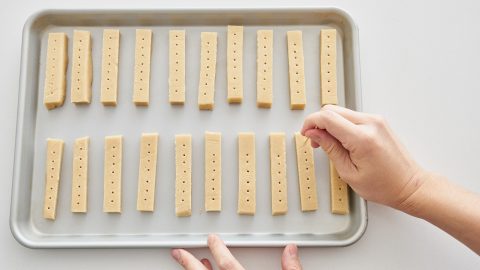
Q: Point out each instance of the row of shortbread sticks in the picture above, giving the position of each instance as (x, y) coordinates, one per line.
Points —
(183, 185)
(81, 76)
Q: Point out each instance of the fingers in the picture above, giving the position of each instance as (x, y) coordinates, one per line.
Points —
(332, 147)
(336, 125)
(187, 260)
(352, 116)
(206, 263)
(290, 260)
(221, 254)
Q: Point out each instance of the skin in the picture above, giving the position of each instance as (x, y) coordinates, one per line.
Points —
(372, 161)
(225, 260)
(370, 158)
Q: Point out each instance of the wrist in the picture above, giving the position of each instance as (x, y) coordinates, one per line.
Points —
(413, 197)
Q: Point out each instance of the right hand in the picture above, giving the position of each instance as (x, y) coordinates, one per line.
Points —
(366, 154)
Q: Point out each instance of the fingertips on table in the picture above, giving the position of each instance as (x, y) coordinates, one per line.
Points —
(290, 258)
(187, 260)
(223, 257)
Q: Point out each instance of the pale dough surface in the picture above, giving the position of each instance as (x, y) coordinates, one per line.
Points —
(213, 171)
(141, 84)
(112, 178)
(235, 63)
(338, 193)
(328, 66)
(81, 79)
(56, 69)
(52, 177)
(109, 81)
(246, 174)
(208, 65)
(176, 67)
(278, 174)
(183, 172)
(296, 70)
(147, 172)
(307, 180)
(80, 175)
(264, 68)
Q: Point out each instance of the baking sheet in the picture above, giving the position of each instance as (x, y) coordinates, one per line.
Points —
(162, 228)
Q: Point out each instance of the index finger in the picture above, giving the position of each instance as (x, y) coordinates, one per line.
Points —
(353, 116)
(339, 127)
(223, 257)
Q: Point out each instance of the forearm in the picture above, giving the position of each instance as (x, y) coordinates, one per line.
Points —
(447, 206)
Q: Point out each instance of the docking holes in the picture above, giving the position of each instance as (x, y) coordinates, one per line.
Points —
(142, 58)
(296, 66)
(110, 54)
(113, 159)
(80, 173)
(52, 174)
(214, 165)
(328, 59)
(81, 43)
(53, 56)
(183, 169)
(308, 181)
(208, 62)
(264, 60)
(278, 170)
(177, 63)
(235, 44)
(148, 165)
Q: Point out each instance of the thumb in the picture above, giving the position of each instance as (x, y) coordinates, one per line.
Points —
(332, 147)
(290, 260)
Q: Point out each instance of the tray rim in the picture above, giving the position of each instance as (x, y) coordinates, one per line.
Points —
(25, 241)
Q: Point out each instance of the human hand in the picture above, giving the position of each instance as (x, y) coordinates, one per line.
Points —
(225, 260)
(366, 153)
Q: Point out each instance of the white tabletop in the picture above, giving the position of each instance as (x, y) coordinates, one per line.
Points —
(420, 69)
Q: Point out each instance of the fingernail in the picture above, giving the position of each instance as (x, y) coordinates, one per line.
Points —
(292, 250)
(176, 254)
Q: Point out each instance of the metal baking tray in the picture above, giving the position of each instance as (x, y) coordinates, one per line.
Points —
(162, 228)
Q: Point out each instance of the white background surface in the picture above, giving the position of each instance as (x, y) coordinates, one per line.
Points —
(420, 69)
